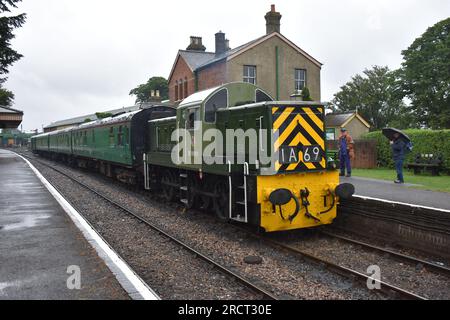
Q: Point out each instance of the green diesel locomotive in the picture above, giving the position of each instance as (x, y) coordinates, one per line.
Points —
(231, 149)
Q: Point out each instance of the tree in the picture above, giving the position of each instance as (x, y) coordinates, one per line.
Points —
(6, 97)
(425, 76)
(375, 95)
(8, 55)
(143, 91)
(103, 115)
(306, 96)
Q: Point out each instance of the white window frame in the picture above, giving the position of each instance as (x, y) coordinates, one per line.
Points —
(246, 74)
(299, 83)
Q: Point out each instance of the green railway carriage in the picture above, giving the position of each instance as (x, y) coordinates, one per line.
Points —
(224, 137)
(40, 143)
(59, 142)
(113, 145)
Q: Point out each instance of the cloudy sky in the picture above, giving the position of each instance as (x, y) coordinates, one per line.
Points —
(84, 56)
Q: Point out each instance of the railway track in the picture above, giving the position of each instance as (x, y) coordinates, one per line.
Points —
(397, 255)
(247, 283)
(386, 288)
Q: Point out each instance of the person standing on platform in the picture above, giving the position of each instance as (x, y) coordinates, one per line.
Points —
(346, 152)
(398, 153)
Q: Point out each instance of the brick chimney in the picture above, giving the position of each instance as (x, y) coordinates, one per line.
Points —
(196, 44)
(221, 43)
(272, 20)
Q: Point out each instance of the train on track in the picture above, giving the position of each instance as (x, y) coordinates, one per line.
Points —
(231, 149)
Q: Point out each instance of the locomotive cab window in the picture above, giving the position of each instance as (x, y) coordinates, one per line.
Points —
(216, 102)
(261, 96)
(193, 118)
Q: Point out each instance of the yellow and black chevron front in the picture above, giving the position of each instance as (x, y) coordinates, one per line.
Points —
(296, 127)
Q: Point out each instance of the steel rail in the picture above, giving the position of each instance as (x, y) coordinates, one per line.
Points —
(398, 255)
(347, 272)
(257, 289)
(386, 288)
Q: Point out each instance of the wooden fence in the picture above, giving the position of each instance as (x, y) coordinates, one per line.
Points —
(365, 153)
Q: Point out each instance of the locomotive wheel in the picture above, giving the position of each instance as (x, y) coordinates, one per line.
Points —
(221, 200)
(168, 191)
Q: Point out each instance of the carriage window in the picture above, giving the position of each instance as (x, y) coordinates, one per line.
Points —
(261, 96)
(120, 137)
(216, 102)
(111, 136)
(125, 135)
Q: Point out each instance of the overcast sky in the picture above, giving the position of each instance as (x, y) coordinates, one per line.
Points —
(84, 56)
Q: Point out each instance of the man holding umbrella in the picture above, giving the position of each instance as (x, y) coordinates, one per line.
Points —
(399, 144)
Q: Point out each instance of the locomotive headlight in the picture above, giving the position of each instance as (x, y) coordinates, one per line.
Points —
(331, 164)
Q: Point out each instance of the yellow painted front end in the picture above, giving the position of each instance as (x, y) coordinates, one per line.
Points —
(320, 184)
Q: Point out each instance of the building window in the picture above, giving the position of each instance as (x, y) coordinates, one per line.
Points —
(185, 87)
(250, 74)
(176, 90)
(300, 79)
(180, 87)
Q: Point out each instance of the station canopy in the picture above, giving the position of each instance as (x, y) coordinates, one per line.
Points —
(10, 118)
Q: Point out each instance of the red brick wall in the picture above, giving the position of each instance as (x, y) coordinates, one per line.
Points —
(181, 71)
(212, 76)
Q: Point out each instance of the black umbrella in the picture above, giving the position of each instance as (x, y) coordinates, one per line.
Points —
(389, 133)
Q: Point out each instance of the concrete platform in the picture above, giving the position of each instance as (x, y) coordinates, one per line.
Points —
(403, 193)
(39, 242)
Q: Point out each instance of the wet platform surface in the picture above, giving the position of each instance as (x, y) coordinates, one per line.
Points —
(39, 242)
(388, 190)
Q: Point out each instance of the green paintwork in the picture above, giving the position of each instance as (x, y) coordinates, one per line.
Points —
(108, 142)
(245, 118)
(277, 73)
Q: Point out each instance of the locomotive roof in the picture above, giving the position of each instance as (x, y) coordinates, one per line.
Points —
(198, 96)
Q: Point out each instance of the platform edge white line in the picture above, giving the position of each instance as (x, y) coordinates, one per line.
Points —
(401, 203)
(141, 287)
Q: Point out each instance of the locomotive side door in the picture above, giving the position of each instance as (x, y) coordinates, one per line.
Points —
(193, 127)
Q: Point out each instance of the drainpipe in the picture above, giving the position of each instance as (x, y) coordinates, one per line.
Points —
(277, 79)
(196, 80)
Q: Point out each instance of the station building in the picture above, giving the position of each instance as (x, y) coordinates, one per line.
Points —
(10, 118)
(271, 62)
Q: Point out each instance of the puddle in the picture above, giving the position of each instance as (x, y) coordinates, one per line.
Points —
(27, 221)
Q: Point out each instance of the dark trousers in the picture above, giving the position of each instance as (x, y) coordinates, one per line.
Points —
(399, 169)
(344, 159)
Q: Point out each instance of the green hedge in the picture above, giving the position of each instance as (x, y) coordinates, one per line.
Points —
(424, 141)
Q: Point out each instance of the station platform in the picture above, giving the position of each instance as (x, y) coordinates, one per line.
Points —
(41, 246)
(402, 193)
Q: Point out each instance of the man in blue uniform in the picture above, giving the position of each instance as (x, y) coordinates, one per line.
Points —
(346, 152)
(398, 153)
